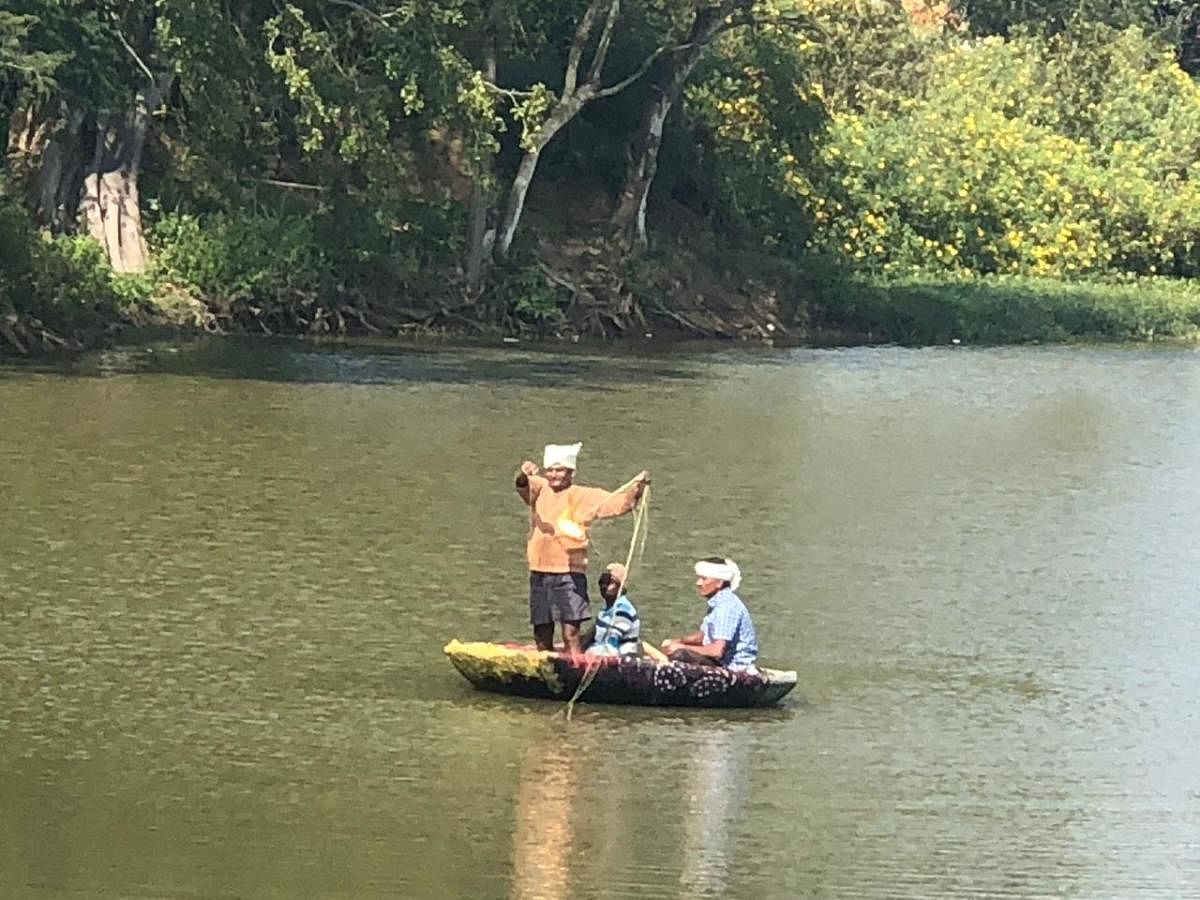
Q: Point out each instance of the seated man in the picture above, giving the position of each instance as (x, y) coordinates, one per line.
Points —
(726, 636)
(618, 630)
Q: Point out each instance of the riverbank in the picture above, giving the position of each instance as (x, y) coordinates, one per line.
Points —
(915, 312)
(1015, 310)
(571, 283)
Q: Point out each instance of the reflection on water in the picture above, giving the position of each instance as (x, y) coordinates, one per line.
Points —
(226, 574)
(719, 779)
(547, 802)
(591, 801)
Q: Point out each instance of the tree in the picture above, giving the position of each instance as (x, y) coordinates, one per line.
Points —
(543, 114)
(480, 239)
(706, 21)
(79, 144)
(380, 94)
(22, 67)
(1175, 21)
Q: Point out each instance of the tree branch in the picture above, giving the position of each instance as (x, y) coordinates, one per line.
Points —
(641, 70)
(571, 78)
(510, 93)
(136, 58)
(605, 42)
(370, 13)
(293, 185)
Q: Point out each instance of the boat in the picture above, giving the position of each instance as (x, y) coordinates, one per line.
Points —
(522, 670)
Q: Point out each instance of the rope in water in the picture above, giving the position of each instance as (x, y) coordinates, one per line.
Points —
(637, 546)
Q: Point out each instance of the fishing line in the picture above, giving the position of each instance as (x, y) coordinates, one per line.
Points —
(637, 548)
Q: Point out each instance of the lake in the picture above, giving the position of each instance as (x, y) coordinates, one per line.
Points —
(228, 568)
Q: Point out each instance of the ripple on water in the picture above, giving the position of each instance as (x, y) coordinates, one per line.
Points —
(226, 578)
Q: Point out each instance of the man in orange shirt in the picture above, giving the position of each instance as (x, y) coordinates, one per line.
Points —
(560, 512)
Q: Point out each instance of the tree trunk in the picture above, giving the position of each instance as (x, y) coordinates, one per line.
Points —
(629, 216)
(59, 176)
(47, 155)
(516, 200)
(629, 219)
(110, 208)
(479, 238)
(562, 113)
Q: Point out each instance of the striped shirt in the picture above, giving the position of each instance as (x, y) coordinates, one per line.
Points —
(728, 620)
(618, 630)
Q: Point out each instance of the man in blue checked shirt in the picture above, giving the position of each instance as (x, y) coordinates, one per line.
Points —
(726, 636)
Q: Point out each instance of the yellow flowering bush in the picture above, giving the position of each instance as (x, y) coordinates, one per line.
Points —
(1073, 156)
(761, 123)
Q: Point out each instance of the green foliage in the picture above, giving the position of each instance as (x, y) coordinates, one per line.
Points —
(227, 123)
(83, 46)
(531, 111)
(1073, 156)
(316, 155)
(240, 262)
(761, 121)
(868, 55)
(1014, 309)
(65, 284)
(19, 61)
(1053, 16)
(523, 292)
(357, 74)
(285, 266)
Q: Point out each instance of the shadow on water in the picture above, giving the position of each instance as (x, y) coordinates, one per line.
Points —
(617, 716)
(583, 367)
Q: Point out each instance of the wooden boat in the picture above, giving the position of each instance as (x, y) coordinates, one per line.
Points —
(524, 671)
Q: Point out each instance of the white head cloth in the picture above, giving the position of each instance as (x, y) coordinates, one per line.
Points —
(726, 571)
(561, 455)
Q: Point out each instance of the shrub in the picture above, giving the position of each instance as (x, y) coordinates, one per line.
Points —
(523, 292)
(1073, 156)
(235, 261)
(1013, 309)
(250, 270)
(63, 285)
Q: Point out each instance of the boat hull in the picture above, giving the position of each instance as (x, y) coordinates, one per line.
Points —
(523, 671)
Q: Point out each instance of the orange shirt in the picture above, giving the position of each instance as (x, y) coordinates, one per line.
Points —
(549, 550)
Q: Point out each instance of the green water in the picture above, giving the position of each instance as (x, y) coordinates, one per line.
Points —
(227, 571)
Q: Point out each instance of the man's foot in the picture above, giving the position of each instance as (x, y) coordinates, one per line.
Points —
(543, 636)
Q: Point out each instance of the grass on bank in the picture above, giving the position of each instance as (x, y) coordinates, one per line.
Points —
(1012, 310)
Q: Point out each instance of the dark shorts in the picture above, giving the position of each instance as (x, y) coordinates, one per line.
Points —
(558, 598)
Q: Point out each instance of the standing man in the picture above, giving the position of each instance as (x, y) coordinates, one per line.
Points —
(726, 636)
(560, 512)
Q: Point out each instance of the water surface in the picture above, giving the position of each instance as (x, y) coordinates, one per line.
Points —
(227, 571)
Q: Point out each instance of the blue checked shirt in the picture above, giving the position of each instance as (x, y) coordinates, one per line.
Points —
(728, 620)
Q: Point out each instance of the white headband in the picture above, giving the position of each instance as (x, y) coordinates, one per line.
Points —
(727, 571)
(561, 455)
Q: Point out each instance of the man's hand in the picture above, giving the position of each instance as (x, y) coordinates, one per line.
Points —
(668, 647)
(527, 470)
(640, 481)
